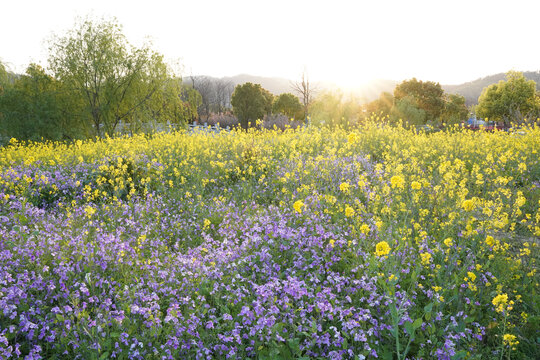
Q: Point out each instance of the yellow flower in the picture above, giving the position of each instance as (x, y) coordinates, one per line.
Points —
(206, 223)
(510, 340)
(467, 205)
(471, 275)
(344, 187)
(332, 242)
(364, 229)
(448, 242)
(501, 303)
(298, 206)
(415, 185)
(349, 211)
(351, 138)
(397, 181)
(490, 241)
(426, 258)
(382, 248)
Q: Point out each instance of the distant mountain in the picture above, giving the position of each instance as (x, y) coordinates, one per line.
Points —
(275, 85)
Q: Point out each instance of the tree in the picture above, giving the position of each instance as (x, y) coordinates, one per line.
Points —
(406, 109)
(513, 99)
(249, 103)
(455, 111)
(268, 101)
(4, 77)
(206, 87)
(306, 90)
(37, 106)
(331, 108)
(289, 105)
(381, 105)
(215, 94)
(224, 90)
(173, 103)
(427, 96)
(114, 78)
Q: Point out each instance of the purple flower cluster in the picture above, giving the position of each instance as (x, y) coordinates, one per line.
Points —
(146, 277)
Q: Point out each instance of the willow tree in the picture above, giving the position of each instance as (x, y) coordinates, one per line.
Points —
(114, 78)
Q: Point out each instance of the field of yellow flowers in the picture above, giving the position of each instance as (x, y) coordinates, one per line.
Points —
(377, 242)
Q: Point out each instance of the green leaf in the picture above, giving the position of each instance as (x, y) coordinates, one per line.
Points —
(409, 327)
(417, 323)
(104, 356)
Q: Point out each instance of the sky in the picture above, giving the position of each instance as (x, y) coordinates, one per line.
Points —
(345, 42)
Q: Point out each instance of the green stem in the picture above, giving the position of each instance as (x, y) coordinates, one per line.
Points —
(504, 330)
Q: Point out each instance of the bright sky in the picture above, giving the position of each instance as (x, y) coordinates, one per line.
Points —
(347, 42)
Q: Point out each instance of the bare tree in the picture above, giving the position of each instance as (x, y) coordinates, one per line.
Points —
(306, 90)
(224, 90)
(206, 87)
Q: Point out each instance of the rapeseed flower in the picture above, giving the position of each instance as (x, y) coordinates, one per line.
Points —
(510, 340)
(298, 205)
(397, 181)
(425, 258)
(382, 248)
(344, 186)
(501, 303)
(467, 205)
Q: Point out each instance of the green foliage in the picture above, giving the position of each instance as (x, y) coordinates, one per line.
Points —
(115, 79)
(333, 109)
(38, 107)
(3, 76)
(383, 105)
(427, 96)
(250, 103)
(268, 101)
(406, 109)
(289, 105)
(419, 103)
(455, 111)
(173, 102)
(509, 100)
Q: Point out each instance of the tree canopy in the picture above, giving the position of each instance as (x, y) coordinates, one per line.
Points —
(37, 106)
(250, 102)
(335, 109)
(114, 78)
(418, 103)
(455, 110)
(289, 105)
(427, 96)
(513, 99)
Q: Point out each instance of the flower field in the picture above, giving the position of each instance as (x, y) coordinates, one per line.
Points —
(314, 243)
